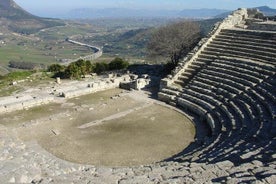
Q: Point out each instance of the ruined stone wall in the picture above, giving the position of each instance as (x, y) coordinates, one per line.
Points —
(14, 103)
(234, 19)
(70, 90)
(95, 86)
(264, 26)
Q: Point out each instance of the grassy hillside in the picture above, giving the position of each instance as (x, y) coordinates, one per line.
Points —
(132, 41)
(28, 38)
(10, 10)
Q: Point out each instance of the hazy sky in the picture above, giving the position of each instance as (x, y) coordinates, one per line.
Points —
(51, 5)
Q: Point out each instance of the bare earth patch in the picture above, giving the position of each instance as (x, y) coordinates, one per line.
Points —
(110, 128)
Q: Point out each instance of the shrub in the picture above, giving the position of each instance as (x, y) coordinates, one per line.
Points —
(72, 71)
(101, 67)
(56, 68)
(118, 64)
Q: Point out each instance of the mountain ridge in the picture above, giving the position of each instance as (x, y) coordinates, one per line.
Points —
(9, 9)
(85, 13)
(203, 13)
(267, 11)
(15, 19)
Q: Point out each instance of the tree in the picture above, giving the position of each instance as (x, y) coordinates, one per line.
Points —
(88, 67)
(72, 71)
(101, 67)
(172, 42)
(56, 68)
(118, 64)
(81, 65)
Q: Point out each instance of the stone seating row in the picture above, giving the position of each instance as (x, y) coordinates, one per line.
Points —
(250, 35)
(239, 112)
(230, 147)
(199, 110)
(232, 87)
(218, 95)
(269, 53)
(257, 96)
(270, 99)
(240, 50)
(233, 148)
(241, 75)
(238, 44)
(192, 103)
(220, 140)
(256, 67)
(229, 67)
(217, 52)
(219, 110)
(239, 148)
(242, 82)
(244, 41)
(226, 108)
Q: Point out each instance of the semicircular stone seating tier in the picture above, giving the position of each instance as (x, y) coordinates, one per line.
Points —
(231, 87)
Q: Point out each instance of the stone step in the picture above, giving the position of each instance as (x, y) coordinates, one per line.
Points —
(253, 46)
(241, 49)
(223, 39)
(216, 52)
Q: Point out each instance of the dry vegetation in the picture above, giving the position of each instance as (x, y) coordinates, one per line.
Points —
(174, 40)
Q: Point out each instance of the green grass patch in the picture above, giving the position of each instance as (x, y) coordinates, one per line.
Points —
(18, 75)
(8, 90)
(5, 87)
(33, 79)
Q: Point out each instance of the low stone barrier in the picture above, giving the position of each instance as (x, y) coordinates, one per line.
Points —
(95, 86)
(14, 103)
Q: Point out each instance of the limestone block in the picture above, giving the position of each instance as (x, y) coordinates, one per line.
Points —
(58, 80)
(2, 109)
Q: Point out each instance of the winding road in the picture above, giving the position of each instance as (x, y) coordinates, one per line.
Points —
(98, 52)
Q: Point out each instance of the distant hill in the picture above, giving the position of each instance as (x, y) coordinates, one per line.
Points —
(91, 13)
(267, 11)
(16, 19)
(133, 42)
(264, 9)
(201, 13)
(10, 10)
